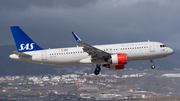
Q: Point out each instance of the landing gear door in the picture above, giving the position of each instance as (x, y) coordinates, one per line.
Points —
(152, 48)
(43, 55)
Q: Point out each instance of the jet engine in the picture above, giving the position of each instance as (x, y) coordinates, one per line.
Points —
(117, 61)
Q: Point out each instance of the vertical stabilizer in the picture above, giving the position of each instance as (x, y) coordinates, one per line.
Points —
(23, 42)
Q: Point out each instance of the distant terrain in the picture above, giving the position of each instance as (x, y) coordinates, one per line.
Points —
(172, 98)
(14, 67)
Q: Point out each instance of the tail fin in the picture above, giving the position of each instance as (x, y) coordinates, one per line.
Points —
(23, 42)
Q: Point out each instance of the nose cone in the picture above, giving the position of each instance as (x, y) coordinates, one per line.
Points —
(170, 51)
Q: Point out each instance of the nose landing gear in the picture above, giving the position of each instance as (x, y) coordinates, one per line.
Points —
(97, 70)
(152, 65)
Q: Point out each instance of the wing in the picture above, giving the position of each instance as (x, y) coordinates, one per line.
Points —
(95, 53)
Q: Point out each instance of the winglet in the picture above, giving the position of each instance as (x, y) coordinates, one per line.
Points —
(76, 37)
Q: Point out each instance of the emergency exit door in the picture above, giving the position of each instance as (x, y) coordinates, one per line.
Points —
(43, 55)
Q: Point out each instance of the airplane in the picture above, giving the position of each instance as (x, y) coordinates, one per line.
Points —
(112, 56)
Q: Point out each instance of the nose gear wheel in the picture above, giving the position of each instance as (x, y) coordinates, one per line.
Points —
(152, 65)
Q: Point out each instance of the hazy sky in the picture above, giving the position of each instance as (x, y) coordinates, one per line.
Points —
(50, 22)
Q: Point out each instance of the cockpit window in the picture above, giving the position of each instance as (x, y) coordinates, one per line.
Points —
(163, 46)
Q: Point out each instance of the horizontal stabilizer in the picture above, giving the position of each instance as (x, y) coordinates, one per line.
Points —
(21, 54)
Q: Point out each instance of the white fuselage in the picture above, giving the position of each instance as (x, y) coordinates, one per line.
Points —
(76, 55)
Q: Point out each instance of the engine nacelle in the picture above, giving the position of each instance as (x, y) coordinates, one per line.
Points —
(116, 67)
(119, 59)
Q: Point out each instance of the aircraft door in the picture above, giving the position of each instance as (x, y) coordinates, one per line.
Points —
(152, 48)
(43, 55)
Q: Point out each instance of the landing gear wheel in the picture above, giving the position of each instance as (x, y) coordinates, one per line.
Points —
(153, 66)
(97, 70)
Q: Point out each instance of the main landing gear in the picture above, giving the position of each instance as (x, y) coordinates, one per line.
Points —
(152, 65)
(97, 70)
